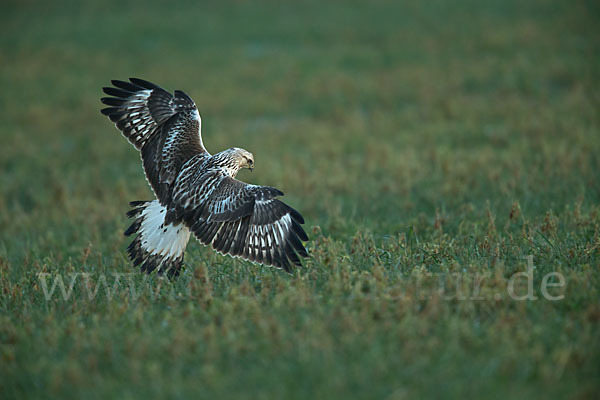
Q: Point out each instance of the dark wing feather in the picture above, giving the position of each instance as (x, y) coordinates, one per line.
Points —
(164, 127)
(241, 220)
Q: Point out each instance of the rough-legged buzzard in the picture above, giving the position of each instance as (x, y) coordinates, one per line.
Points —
(196, 192)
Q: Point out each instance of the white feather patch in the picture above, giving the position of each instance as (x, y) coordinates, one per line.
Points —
(168, 241)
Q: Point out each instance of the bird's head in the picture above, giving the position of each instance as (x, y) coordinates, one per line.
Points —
(244, 158)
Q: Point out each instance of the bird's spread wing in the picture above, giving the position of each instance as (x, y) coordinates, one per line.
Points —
(239, 219)
(163, 126)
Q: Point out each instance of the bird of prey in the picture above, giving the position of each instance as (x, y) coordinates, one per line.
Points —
(196, 192)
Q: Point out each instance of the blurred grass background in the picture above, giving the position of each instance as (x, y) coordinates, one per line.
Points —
(416, 137)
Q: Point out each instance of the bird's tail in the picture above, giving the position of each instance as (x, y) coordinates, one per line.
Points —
(156, 246)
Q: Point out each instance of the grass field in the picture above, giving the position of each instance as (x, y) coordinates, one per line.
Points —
(432, 146)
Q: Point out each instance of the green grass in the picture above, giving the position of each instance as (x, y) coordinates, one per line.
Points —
(426, 143)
